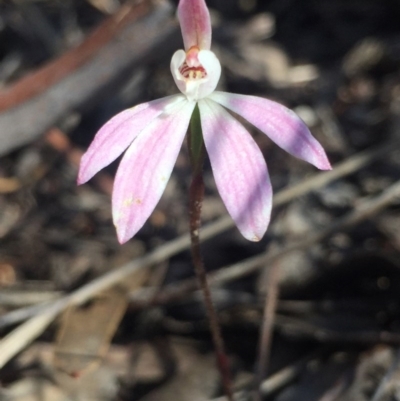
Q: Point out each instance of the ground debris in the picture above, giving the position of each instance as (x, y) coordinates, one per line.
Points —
(84, 318)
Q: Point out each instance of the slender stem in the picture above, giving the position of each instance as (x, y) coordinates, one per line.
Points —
(196, 195)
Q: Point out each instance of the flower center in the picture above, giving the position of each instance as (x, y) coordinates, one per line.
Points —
(191, 68)
(192, 72)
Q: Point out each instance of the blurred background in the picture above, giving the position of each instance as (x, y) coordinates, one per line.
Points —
(327, 269)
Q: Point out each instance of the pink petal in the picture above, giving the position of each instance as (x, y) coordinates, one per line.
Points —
(195, 22)
(239, 169)
(145, 169)
(118, 133)
(281, 124)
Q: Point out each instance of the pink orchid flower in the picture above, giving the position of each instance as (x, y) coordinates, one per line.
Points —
(152, 134)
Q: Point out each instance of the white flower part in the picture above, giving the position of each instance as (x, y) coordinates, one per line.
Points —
(196, 81)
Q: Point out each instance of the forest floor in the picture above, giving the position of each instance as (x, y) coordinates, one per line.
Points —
(83, 318)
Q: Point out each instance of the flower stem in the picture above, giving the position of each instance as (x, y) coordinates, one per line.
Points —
(196, 195)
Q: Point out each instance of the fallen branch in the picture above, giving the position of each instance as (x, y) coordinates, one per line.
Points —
(137, 35)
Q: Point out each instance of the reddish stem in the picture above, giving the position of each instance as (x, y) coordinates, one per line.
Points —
(196, 194)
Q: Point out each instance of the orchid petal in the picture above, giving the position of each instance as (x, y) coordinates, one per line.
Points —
(195, 89)
(118, 133)
(195, 22)
(212, 67)
(281, 124)
(145, 169)
(239, 170)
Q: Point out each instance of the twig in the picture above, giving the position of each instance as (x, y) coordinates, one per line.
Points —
(23, 335)
(387, 378)
(23, 298)
(281, 378)
(335, 392)
(300, 329)
(278, 380)
(267, 327)
(21, 314)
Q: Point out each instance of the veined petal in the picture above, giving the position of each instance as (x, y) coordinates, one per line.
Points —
(281, 124)
(239, 169)
(118, 133)
(195, 22)
(145, 169)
